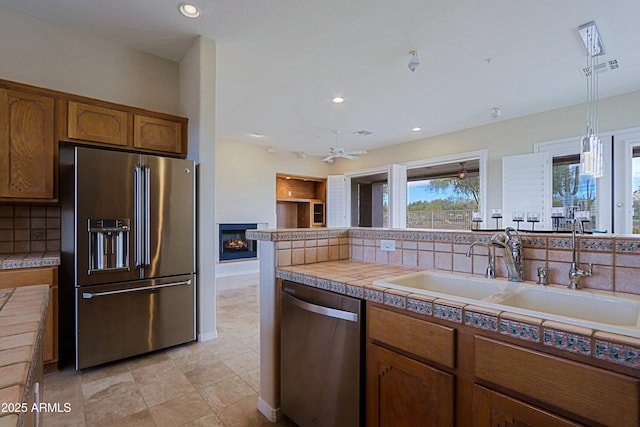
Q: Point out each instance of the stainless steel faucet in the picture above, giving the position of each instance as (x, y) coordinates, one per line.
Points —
(491, 266)
(575, 272)
(513, 259)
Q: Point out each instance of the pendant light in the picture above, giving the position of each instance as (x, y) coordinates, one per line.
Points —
(591, 151)
(463, 172)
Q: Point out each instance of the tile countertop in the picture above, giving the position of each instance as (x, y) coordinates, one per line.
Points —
(355, 278)
(22, 318)
(28, 260)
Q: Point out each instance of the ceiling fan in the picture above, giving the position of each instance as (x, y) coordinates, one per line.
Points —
(339, 152)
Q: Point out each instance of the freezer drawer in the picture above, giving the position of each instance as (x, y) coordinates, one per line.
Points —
(126, 319)
(321, 357)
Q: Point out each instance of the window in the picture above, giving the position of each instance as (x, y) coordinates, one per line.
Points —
(626, 191)
(573, 192)
(370, 200)
(443, 196)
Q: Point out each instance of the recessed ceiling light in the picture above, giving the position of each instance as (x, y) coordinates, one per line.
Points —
(189, 10)
(416, 129)
(338, 100)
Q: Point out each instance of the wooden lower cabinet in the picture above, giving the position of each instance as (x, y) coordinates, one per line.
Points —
(405, 392)
(19, 277)
(493, 409)
(421, 372)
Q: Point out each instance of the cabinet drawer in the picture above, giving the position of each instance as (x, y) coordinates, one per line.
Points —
(419, 337)
(97, 124)
(584, 390)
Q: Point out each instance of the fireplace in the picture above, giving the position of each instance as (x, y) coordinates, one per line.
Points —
(234, 244)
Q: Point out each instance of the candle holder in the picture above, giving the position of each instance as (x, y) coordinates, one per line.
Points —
(476, 219)
(557, 214)
(518, 217)
(496, 214)
(533, 217)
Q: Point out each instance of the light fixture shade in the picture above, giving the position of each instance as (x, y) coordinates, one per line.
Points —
(591, 156)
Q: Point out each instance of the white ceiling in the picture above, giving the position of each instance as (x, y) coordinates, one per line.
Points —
(281, 61)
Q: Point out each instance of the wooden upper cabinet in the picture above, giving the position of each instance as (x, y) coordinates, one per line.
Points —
(28, 154)
(151, 133)
(97, 124)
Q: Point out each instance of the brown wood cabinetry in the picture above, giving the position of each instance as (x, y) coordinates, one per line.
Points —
(28, 153)
(403, 390)
(15, 278)
(97, 124)
(300, 201)
(413, 364)
(151, 133)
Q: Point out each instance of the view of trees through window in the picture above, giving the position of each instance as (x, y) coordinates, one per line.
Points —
(441, 199)
(573, 191)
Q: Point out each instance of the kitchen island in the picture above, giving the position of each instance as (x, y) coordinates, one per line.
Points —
(300, 256)
(22, 318)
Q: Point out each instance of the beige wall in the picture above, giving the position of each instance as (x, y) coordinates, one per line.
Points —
(505, 138)
(39, 53)
(246, 180)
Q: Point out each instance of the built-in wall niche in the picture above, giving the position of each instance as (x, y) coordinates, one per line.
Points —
(300, 201)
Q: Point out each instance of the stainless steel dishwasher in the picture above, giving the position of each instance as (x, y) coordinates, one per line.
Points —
(321, 357)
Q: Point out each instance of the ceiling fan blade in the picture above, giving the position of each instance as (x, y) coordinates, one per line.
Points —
(349, 156)
(356, 152)
(328, 158)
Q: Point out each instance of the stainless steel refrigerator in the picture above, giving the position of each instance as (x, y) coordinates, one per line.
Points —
(128, 252)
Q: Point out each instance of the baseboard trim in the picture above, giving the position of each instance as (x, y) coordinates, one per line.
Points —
(273, 414)
(207, 336)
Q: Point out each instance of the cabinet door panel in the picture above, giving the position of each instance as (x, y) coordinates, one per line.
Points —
(151, 133)
(404, 392)
(492, 409)
(27, 150)
(97, 124)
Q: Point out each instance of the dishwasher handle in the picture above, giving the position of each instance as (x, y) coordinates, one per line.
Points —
(321, 310)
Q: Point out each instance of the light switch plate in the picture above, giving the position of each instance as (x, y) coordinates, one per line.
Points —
(388, 245)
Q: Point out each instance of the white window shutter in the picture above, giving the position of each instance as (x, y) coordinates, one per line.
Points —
(527, 187)
(337, 201)
(398, 196)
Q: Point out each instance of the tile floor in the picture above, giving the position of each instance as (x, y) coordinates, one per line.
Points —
(213, 383)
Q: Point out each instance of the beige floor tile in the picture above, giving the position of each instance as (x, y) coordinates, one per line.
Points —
(181, 410)
(243, 363)
(195, 360)
(227, 392)
(210, 420)
(226, 347)
(252, 378)
(111, 398)
(209, 374)
(147, 360)
(103, 371)
(243, 413)
(139, 419)
(168, 388)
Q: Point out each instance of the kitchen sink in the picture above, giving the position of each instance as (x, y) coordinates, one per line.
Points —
(583, 304)
(601, 310)
(450, 284)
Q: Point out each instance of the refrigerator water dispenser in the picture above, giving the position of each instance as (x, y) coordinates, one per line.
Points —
(108, 245)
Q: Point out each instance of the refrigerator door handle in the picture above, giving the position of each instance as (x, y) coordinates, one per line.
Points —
(89, 295)
(138, 212)
(147, 216)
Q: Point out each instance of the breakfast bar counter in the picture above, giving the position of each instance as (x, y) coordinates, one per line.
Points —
(22, 319)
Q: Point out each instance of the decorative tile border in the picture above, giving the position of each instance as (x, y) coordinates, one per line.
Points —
(337, 287)
(354, 291)
(596, 245)
(568, 341)
(374, 295)
(395, 300)
(480, 320)
(420, 306)
(628, 246)
(621, 354)
(448, 312)
(521, 330)
(560, 243)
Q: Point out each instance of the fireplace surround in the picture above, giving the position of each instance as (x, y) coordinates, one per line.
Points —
(234, 244)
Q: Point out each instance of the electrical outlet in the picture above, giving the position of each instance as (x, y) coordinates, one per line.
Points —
(388, 245)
